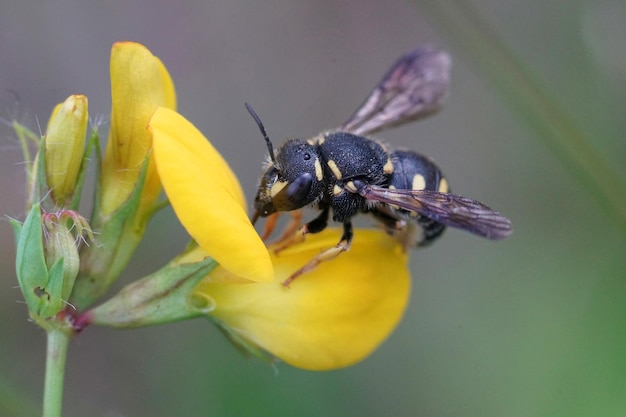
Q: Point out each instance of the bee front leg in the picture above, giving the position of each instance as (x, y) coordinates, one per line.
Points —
(294, 224)
(270, 224)
(327, 255)
(290, 238)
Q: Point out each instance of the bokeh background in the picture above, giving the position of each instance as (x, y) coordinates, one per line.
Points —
(532, 326)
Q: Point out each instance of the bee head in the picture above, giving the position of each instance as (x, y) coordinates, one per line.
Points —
(293, 178)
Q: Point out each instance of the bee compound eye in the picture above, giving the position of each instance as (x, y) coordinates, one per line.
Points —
(294, 195)
(300, 187)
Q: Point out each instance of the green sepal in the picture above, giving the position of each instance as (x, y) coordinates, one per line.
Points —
(51, 300)
(161, 297)
(40, 186)
(42, 288)
(95, 213)
(118, 237)
(92, 143)
(30, 260)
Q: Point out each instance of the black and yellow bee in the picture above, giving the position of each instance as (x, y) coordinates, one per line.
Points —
(347, 173)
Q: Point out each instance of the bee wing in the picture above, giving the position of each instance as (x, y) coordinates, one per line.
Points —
(449, 209)
(414, 87)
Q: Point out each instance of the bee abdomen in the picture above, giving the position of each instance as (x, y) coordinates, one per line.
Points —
(414, 171)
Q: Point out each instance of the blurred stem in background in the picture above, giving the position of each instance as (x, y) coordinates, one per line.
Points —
(469, 34)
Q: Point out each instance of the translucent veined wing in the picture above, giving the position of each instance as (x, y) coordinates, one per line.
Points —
(414, 87)
(449, 209)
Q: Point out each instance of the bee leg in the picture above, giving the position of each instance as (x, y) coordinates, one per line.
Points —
(391, 224)
(294, 224)
(270, 224)
(290, 238)
(399, 229)
(327, 255)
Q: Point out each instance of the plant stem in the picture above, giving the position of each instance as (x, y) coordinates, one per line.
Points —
(58, 341)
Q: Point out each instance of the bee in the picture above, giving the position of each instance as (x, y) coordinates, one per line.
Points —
(344, 172)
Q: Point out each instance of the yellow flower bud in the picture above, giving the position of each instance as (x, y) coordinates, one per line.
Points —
(65, 146)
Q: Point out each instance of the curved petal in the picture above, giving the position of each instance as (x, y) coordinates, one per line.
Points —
(139, 84)
(328, 318)
(206, 196)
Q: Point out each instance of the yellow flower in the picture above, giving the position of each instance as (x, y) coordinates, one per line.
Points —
(65, 145)
(129, 185)
(328, 318)
(139, 84)
(206, 196)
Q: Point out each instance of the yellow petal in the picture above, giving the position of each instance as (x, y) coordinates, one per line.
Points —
(206, 196)
(65, 145)
(329, 318)
(53, 115)
(139, 84)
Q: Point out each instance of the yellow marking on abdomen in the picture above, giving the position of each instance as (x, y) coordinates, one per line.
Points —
(443, 186)
(419, 182)
(388, 167)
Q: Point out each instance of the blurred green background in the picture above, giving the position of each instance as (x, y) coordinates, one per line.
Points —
(532, 326)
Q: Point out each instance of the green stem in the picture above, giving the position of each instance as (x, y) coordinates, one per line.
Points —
(58, 341)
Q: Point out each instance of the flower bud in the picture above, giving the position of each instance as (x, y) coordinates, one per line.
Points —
(139, 84)
(64, 232)
(47, 267)
(65, 146)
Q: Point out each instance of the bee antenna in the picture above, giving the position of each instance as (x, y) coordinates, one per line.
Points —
(256, 118)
